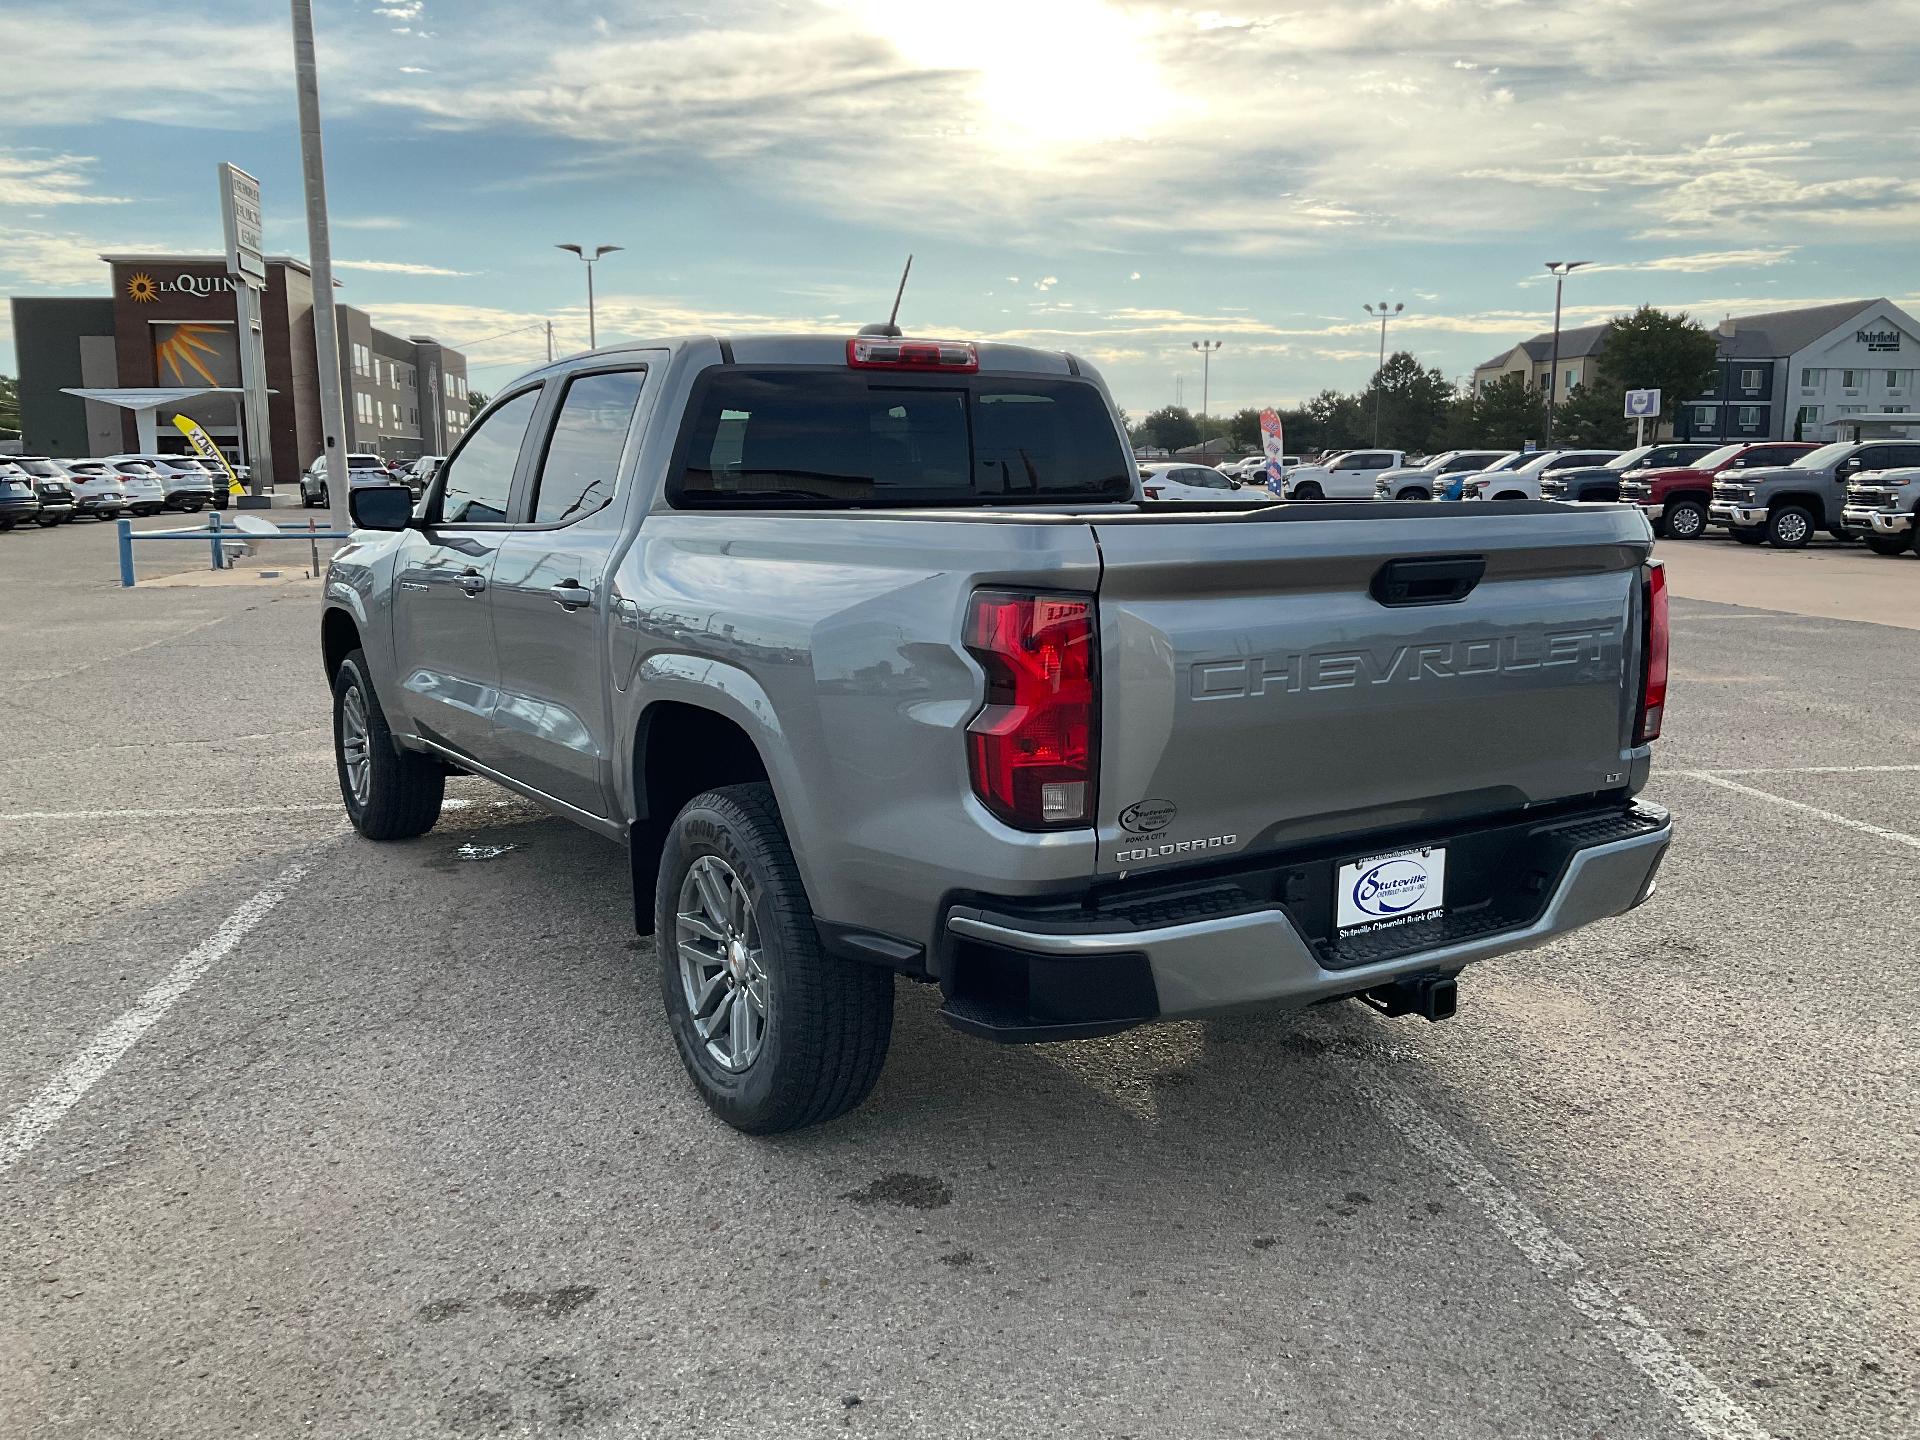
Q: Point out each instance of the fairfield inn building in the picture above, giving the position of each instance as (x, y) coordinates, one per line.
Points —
(1783, 375)
(105, 375)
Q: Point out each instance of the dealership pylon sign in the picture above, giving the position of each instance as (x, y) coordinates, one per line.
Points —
(247, 263)
(240, 214)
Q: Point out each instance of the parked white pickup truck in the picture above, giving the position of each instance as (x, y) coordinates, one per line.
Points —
(1345, 477)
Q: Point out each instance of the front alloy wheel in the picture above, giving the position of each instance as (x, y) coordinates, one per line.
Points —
(1686, 520)
(1790, 527)
(721, 970)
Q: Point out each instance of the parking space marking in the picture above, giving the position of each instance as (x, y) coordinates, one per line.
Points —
(1808, 770)
(1714, 778)
(28, 1125)
(1705, 1406)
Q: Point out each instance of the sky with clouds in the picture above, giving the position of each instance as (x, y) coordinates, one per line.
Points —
(1117, 179)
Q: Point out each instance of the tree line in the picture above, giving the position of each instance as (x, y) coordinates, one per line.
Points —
(1421, 412)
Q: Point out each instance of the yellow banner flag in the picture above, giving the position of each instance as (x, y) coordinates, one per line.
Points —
(204, 447)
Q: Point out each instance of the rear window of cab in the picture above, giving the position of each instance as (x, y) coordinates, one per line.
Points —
(807, 437)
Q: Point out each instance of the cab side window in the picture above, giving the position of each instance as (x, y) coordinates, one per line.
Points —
(477, 483)
(582, 462)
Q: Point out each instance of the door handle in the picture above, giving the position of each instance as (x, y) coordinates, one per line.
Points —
(571, 594)
(471, 581)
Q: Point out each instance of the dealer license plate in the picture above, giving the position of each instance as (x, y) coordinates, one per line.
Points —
(1382, 891)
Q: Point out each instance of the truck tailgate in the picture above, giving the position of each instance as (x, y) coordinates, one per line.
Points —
(1266, 684)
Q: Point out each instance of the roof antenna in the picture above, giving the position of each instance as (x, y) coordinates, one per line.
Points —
(891, 330)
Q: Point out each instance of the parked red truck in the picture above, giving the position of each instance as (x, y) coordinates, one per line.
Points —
(1676, 500)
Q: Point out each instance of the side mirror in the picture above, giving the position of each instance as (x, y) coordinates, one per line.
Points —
(381, 507)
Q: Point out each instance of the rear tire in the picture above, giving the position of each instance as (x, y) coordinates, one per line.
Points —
(813, 1029)
(390, 793)
(1890, 544)
(1684, 520)
(1790, 527)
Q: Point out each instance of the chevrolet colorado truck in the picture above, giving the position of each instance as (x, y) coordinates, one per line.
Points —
(1676, 498)
(1785, 506)
(874, 657)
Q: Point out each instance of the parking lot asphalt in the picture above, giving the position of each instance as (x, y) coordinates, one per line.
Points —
(310, 1135)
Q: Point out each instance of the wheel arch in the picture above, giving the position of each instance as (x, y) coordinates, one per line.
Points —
(703, 724)
(339, 637)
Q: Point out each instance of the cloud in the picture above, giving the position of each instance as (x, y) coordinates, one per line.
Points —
(40, 177)
(399, 267)
(64, 261)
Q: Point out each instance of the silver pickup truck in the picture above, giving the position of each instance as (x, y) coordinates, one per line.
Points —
(874, 657)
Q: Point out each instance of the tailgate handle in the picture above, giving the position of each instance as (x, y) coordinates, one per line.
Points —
(1427, 582)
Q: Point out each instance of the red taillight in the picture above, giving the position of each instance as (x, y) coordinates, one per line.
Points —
(1152, 492)
(872, 352)
(1653, 682)
(1031, 748)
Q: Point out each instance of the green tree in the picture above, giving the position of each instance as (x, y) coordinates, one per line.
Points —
(476, 402)
(1244, 428)
(1593, 414)
(1508, 412)
(1660, 350)
(9, 405)
(1171, 428)
(1335, 422)
(1413, 403)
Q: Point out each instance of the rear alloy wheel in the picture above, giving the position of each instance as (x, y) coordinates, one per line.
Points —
(1789, 527)
(1890, 544)
(1685, 520)
(775, 1032)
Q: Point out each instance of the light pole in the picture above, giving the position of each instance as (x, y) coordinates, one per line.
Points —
(593, 332)
(326, 340)
(1559, 269)
(1206, 349)
(1379, 389)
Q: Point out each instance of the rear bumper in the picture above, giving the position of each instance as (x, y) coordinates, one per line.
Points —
(1047, 979)
(1879, 522)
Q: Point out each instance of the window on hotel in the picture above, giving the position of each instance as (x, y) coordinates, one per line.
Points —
(1809, 415)
(1749, 379)
(1849, 379)
(1809, 379)
(1749, 417)
(1893, 379)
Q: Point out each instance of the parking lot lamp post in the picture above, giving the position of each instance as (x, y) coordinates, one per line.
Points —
(1559, 269)
(1378, 389)
(593, 332)
(1206, 349)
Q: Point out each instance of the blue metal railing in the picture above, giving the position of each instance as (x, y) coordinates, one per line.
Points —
(215, 537)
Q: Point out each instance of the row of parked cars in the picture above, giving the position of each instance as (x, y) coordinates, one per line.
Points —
(40, 490)
(366, 468)
(1778, 492)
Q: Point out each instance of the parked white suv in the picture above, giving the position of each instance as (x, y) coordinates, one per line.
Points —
(1169, 481)
(1522, 482)
(1345, 477)
(1418, 482)
(362, 469)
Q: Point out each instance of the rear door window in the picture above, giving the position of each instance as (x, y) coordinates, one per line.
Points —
(582, 462)
(801, 436)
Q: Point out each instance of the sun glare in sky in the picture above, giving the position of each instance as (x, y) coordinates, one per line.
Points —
(1054, 74)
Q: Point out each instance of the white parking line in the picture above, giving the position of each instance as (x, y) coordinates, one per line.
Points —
(1808, 770)
(1710, 777)
(30, 1123)
(1705, 1406)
